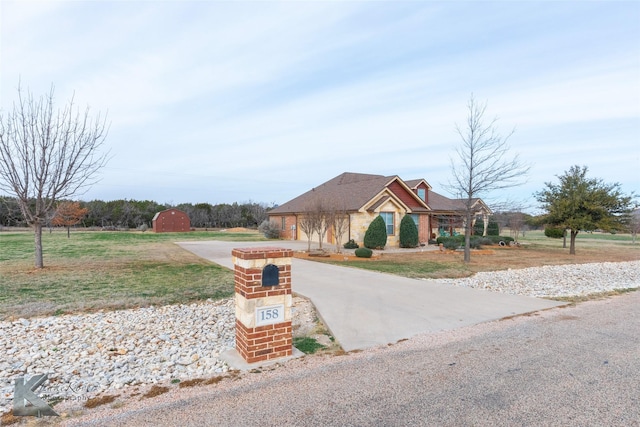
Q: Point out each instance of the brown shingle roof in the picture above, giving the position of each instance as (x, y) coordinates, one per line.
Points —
(438, 202)
(348, 191)
(351, 191)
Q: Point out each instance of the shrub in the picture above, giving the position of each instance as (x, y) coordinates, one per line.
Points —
(486, 241)
(364, 252)
(493, 229)
(270, 230)
(458, 239)
(474, 242)
(351, 244)
(408, 233)
(554, 232)
(497, 239)
(478, 227)
(376, 235)
(450, 243)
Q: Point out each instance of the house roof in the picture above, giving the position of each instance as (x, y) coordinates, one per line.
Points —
(440, 203)
(167, 210)
(354, 191)
(348, 191)
(414, 183)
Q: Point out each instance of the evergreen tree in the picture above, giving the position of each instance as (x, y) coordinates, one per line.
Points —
(408, 233)
(581, 203)
(376, 235)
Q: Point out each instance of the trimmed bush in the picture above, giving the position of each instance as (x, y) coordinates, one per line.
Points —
(478, 227)
(475, 242)
(364, 253)
(554, 232)
(497, 239)
(451, 243)
(351, 244)
(459, 239)
(270, 230)
(408, 233)
(493, 228)
(486, 241)
(376, 235)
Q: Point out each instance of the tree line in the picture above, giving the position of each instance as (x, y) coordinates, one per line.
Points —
(131, 214)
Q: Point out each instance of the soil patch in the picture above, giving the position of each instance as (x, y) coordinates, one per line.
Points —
(314, 255)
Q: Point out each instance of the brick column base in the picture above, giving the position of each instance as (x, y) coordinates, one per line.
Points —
(263, 310)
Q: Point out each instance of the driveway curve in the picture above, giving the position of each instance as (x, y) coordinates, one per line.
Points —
(364, 309)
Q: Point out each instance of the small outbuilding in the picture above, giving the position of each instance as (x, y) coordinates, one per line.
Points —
(171, 220)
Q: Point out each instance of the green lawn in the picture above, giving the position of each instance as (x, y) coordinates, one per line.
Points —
(107, 270)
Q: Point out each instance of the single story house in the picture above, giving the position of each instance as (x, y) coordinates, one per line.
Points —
(362, 197)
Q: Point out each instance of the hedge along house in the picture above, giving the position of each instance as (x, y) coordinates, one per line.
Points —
(361, 198)
(171, 220)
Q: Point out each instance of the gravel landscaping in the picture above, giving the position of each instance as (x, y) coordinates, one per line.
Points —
(106, 351)
(556, 280)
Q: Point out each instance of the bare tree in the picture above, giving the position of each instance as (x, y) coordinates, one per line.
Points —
(48, 154)
(482, 164)
(320, 219)
(307, 226)
(338, 220)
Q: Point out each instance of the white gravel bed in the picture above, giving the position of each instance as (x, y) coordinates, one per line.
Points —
(86, 354)
(556, 280)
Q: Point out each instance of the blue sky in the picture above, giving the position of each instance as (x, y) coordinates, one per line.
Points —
(260, 101)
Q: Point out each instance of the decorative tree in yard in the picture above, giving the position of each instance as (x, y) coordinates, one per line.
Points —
(307, 226)
(376, 235)
(338, 219)
(482, 164)
(582, 203)
(47, 154)
(408, 233)
(68, 214)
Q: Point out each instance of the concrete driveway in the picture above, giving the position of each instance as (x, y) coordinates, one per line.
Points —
(364, 309)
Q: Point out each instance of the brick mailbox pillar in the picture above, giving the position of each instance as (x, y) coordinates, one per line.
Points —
(263, 303)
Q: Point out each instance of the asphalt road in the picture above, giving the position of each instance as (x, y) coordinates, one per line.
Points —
(572, 366)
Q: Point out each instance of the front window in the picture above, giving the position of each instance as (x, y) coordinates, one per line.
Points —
(283, 223)
(388, 218)
(422, 193)
(416, 219)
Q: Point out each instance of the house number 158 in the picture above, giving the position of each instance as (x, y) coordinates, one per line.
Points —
(269, 315)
